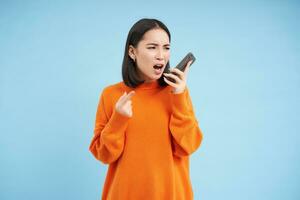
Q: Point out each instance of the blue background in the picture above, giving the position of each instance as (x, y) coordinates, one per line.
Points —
(57, 56)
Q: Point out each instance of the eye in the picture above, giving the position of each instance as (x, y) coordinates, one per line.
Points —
(151, 47)
(167, 48)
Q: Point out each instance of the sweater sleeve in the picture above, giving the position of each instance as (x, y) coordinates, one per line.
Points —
(109, 133)
(186, 134)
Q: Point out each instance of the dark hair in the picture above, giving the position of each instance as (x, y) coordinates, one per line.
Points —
(136, 33)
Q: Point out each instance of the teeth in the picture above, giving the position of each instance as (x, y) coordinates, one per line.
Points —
(158, 66)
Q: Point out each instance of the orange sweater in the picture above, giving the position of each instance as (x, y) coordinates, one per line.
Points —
(148, 154)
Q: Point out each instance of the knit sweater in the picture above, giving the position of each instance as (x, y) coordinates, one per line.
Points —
(148, 153)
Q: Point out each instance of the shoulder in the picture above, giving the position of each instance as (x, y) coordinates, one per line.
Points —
(114, 89)
(111, 93)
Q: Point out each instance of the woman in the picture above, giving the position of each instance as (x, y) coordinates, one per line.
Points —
(145, 125)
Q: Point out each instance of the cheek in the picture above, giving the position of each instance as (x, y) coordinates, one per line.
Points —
(167, 55)
(147, 58)
(145, 61)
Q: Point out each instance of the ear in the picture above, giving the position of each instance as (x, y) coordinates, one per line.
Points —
(131, 52)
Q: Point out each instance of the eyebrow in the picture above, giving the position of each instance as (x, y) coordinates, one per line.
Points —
(155, 44)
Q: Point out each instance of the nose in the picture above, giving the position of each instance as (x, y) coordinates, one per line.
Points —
(159, 55)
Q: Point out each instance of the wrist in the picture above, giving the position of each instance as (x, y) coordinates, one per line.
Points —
(178, 91)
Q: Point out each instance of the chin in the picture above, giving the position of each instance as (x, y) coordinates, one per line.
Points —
(153, 77)
(157, 77)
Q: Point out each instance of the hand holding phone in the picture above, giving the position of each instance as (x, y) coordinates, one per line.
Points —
(182, 65)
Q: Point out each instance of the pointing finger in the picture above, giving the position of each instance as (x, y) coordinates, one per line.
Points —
(186, 69)
(189, 63)
(129, 95)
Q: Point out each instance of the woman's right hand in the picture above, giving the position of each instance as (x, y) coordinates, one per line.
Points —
(123, 105)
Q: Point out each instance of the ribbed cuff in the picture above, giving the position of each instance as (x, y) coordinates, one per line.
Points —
(117, 122)
(179, 101)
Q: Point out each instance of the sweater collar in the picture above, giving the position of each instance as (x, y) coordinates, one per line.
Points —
(149, 85)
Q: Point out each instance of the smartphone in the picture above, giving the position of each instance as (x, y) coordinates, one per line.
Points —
(182, 65)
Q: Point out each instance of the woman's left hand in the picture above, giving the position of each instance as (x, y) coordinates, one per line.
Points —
(180, 78)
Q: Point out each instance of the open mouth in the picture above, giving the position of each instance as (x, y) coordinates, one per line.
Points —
(158, 67)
